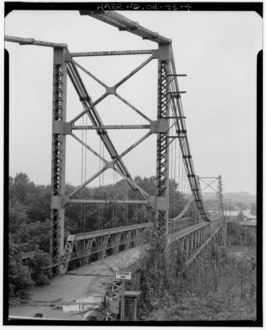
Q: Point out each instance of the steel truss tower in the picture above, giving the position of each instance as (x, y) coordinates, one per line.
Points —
(213, 186)
(168, 106)
(60, 128)
(168, 97)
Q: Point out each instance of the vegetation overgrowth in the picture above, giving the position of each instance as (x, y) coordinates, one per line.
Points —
(219, 285)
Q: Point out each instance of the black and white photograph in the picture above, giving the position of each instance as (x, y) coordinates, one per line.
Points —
(133, 163)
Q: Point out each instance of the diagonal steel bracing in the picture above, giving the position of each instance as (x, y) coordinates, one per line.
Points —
(95, 118)
(114, 88)
(110, 90)
(214, 187)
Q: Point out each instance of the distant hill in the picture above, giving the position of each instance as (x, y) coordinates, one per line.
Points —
(243, 197)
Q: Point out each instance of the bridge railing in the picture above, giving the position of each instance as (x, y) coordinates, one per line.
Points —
(96, 245)
(101, 243)
(216, 223)
(178, 225)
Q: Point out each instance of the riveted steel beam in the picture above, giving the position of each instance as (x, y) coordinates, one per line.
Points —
(78, 127)
(102, 201)
(58, 158)
(32, 41)
(116, 53)
(163, 111)
(125, 24)
(220, 198)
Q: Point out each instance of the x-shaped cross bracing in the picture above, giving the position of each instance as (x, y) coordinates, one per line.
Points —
(116, 158)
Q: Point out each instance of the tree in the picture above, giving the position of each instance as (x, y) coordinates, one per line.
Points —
(253, 209)
(21, 189)
(19, 278)
(39, 232)
(17, 216)
(39, 208)
(37, 264)
(240, 216)
(242, 206)
(229, 207)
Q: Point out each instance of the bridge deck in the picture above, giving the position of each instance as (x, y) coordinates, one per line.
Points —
(79, 284)
(68, 288)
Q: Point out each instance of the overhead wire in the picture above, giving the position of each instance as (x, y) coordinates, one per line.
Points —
(85, 172)
(115, 212)
(113, 206)
(127, 188)
(99, 205)
(171, 175)
(82, 177)
(102, 190)
(179, 169)
(182, 177)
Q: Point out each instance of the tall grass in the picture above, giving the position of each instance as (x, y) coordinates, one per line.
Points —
(218, 285)
(239, 235)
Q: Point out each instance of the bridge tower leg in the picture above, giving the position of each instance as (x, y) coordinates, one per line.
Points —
(221, 210)
(220, 197)
(224, 235)
(162, 172)
(58, 159)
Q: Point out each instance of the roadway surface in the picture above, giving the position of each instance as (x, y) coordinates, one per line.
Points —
(63, 297)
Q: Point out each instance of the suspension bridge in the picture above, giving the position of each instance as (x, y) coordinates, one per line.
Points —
(188, 227)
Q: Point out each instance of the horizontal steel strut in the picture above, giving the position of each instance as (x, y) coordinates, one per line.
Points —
(32, 41)
(125, 24)
(115, 53)
(112, 127)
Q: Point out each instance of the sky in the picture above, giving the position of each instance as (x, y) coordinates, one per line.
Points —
(217, 51)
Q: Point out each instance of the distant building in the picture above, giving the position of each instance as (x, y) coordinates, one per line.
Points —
(252, 218)
(231, 215)
(248, 216)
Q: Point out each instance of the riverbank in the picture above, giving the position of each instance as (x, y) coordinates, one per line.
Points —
(222, 289)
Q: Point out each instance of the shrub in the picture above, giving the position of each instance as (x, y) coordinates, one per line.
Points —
(215, 286)
(19, 277)
(238, 235)
(39, 261)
